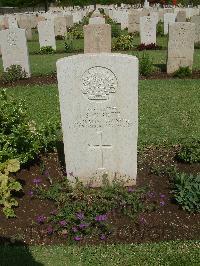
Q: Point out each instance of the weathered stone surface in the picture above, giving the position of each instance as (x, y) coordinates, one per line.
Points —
(97, 38)
(12, 22)
(196, 21)
(60, 26)
(24, 22)
(14, 48)
(169, 18)
(69, 20)
(134, 19)
(46, 34)
(97, 20)
(147, 30)
(181, 16)
(99, 112)
(180, 46)
(96, 13)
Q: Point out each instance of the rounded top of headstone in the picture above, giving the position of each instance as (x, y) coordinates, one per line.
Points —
(96, 13)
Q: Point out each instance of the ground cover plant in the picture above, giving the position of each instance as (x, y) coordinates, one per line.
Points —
(50, 211)
(20, 137)
(46, 182)
(12, 74)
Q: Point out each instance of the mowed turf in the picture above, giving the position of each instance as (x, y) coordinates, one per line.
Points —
(46, 64)
(160, 254)
(169, 110)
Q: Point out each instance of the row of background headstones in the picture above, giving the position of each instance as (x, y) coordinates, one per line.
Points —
(98, 37)
(108, 144)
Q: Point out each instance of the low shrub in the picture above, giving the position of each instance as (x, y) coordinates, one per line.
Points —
(116, 30)
(160, 29)
(151, 46)
(123, 42)
(186, 191)
(8, 184)
(69, 48)
(82, 210)
(190, 152)
(76, 31)
(145, 65)
(21, 138)
(47, 50)
(60, 37)
(183, 72)
(13, 73)
(197, 45)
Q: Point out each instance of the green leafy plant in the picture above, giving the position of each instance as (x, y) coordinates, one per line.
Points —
(160, 29)
(123, 42)
(60, 37)
(21, 138)
(197, 45)
(190, 152)
(69, 48)
(13, 73)
(187, 191)
(82, 210)
(183, 72)
(116, 30)
(8, 184)
(47, 50)
(145, 65)
(76, 31)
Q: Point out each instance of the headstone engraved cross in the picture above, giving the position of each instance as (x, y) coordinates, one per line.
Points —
(99, 113)
(101, 148)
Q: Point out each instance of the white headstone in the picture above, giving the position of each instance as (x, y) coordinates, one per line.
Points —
(180, 46)
(46, 34)
(60, 26)
(147, 30)
(12, 22)
(99, 112)
(14, 49)
(196, 21)
(169, 18)
(97, 20)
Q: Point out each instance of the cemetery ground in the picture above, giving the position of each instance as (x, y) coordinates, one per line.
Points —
(169, 118)
(168, 114)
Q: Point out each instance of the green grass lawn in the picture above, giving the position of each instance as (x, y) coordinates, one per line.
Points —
(160, 254)
(169, 110)
(46, 64)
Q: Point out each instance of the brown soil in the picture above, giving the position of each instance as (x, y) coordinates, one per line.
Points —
(52, 79)
(34, 80)
(168, 222)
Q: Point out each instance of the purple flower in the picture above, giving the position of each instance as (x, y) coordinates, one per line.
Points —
(143, 220)
(162, 196)
(30, 193)
(49, 230)
(77, 238)
(82, 226)
(162, 203)
(103, 237)
(64, 173)
(41, 219)
(80, 216)
(63, 223)
(74, 229)
(151, 194)
(37, 181)
(130, 189)
(54, 212)
(101, 217)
